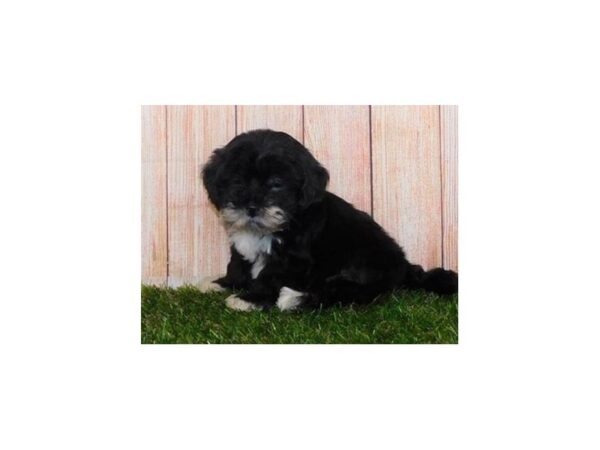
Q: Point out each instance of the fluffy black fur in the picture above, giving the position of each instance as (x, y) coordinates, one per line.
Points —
(267, 185)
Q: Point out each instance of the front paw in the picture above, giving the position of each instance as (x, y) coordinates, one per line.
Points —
(289, 299)
(234, 302)
(207, 284)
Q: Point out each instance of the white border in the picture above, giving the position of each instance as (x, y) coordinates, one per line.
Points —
(74, 374)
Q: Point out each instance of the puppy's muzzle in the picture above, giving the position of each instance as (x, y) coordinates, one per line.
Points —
(269, 219)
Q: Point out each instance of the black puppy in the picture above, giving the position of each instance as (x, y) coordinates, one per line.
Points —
(293, 244)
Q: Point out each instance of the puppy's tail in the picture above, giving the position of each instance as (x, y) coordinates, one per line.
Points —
(440, 281)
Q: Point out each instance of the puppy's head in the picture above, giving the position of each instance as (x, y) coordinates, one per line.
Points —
(261, 179)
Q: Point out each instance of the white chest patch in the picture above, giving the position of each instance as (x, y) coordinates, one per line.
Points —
(253, 246)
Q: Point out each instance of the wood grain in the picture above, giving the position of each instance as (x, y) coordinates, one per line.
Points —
(154, 195)
(407, 179)
(275, 117)
(339, 138)
(414, 153)
(197, 242)
(449, 150)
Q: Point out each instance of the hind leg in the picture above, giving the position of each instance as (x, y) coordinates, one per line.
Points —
(331, 292)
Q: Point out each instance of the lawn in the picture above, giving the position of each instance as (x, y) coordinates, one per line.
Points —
(187, 316)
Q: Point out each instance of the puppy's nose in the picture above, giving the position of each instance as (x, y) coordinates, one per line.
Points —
(252, 209)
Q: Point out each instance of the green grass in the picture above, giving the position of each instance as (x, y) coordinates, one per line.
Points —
(187, 316)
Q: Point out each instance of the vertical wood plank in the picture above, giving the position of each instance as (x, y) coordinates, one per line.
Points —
(407, 179)
(276, 117)
(197, 242)
(449, 149)
(339, 138)
(154, 191)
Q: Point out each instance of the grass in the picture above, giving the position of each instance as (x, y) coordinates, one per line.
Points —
(187, 316)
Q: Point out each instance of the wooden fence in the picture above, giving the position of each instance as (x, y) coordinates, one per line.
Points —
(399, 163)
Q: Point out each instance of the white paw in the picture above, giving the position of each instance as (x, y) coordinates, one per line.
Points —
(234, 302)
(289, 299)
(207, 284)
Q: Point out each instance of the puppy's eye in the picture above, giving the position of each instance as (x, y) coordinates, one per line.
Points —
(275, 183)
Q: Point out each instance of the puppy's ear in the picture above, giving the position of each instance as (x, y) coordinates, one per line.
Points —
(315, 182)
(210, 175)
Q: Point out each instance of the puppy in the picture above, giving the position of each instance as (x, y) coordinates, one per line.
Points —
(293, 243)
